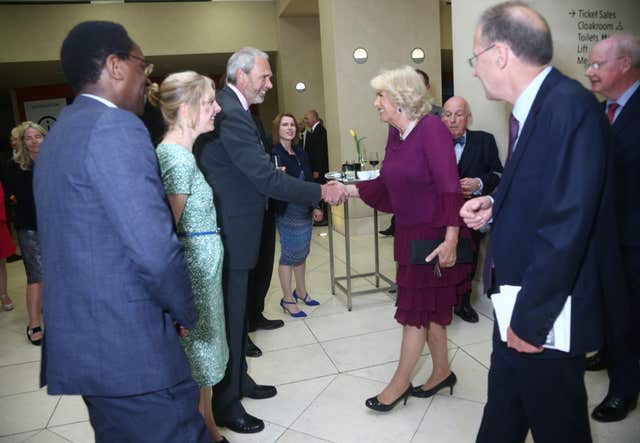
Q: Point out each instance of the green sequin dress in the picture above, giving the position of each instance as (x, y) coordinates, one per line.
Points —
(206, 344)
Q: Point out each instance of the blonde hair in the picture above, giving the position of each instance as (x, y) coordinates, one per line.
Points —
(275, 128)
(405, 90)
(22, 156)
(181, 87)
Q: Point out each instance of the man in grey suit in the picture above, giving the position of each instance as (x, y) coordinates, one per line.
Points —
(243, 177)
(116, 286)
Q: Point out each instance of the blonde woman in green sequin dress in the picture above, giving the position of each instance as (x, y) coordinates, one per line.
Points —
(188, 106)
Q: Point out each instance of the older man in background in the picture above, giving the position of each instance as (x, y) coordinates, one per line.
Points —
(614, 72)
(479, 168)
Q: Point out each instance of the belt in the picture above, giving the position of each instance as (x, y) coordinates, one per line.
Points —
(198, 234)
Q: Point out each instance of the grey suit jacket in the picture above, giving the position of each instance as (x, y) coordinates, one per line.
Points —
(242, 176)
(114, 274)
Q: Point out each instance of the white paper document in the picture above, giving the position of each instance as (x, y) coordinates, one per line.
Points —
(559, 337)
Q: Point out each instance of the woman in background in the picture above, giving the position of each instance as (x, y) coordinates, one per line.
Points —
(419, 183)
(294, 221)
(188, 106)
(20, 181)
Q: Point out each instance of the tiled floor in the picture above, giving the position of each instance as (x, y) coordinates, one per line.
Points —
(324, 366)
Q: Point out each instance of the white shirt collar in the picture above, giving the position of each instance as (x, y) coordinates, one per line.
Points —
(313, 128)
(525, 101)
(412, 124)
(241, 97)
(102, 100)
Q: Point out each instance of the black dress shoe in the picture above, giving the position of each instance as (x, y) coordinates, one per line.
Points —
(376, 405)
(264, 323)
(252, 350)
(597, 362)
(13, 257)
(465, 311)
(390, 231)
(261, 392)
(614, 408)
(446, 383)
(245, 424)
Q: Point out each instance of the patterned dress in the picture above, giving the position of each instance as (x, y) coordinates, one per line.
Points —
(206, 344)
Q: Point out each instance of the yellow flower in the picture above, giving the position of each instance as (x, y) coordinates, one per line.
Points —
(352, 132)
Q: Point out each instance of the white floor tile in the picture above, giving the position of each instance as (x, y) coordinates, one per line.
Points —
(15, 349)
(19, 438)
(46, 436)
(338, 304)
(346, 324)
(625, 431)
(77, 432)
(339, 414)
(472, 378)
(480, 351)
(597, 384)
(25, 412)
(365, 350)
(299, 437)
(70, 409)
(451, 419)
(24, 378)
(292, 401)
(291, 365)
(296, 333)
(462, 333)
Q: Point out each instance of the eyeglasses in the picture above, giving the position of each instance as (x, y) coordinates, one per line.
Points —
(474, 59)
(596, 66)
(146, 66)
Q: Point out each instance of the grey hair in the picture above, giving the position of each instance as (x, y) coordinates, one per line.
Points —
(628, 46)
(243, 59)
(522, 28)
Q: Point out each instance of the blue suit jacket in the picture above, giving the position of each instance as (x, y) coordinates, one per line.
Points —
(114, 274)
(555, 197)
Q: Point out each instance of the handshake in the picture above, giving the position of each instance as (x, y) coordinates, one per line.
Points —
(334, 193)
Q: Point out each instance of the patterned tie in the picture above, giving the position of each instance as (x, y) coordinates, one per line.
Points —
(459, 141)
(487, 272)
(611, 111)
(514, 127)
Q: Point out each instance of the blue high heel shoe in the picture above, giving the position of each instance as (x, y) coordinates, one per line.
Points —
(306, 300)
(297, 314)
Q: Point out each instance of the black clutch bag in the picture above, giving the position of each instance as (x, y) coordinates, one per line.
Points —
(420, 249)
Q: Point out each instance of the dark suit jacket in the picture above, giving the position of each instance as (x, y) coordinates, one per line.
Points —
(316, 147)
(242, 176)
(626, 130)
(555, 198)
(480, 159)
(114, 274)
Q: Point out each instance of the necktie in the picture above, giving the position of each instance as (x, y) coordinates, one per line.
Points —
(514, 126)
(611, 111)
(459, 141)
(487, 274)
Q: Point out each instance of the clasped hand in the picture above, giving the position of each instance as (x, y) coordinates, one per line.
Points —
(334, 193)
(477, 212)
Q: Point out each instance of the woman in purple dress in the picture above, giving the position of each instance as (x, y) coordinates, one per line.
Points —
(419, 184)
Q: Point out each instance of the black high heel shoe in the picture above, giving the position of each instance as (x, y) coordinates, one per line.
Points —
(376, 405)
(446, 383)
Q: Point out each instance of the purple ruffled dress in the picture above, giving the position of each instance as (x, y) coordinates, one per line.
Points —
(419, 184)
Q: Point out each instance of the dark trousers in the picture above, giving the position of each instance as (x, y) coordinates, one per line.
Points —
(168, 415)
(622, 349)
(546, 395)
(260, 276)
(228, 392)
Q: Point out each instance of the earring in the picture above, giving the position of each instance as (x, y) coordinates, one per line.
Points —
(399, 109)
